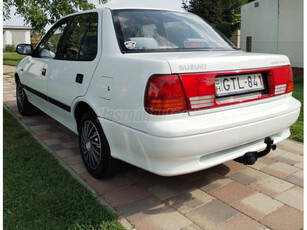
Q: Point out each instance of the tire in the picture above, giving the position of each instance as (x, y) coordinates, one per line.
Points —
(94, 147)
(25, 108)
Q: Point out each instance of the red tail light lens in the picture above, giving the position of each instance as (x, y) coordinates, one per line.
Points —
(199, 90)
(280, 80)
(164, 95)
(290, 80)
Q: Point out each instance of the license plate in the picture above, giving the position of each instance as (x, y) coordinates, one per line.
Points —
(240, 84)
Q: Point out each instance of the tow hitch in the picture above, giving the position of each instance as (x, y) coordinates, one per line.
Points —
(250, 158)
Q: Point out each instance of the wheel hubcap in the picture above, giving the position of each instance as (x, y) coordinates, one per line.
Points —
(20, 94)
(90, 144)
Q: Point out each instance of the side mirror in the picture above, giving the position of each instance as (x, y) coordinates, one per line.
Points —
(24, 49)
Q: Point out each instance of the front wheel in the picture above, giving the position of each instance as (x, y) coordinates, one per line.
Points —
(94, 147)
(25, 108)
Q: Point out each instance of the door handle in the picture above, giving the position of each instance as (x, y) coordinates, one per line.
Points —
(79, 78)
(44, 71)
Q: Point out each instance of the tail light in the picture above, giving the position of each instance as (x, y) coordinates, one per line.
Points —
(282, 80)
(164, 95)
(169, 94)
(290, 80)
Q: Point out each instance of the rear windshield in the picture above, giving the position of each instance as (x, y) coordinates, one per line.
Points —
(157, 31)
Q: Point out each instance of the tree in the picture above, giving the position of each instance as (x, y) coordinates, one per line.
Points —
(39, 13)
(222, 14)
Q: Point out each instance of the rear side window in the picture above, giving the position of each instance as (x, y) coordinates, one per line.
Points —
(158, 30)
(80, 39)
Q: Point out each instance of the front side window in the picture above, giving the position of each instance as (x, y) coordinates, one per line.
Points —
(157, 30)
(49, 45)
(80, 40)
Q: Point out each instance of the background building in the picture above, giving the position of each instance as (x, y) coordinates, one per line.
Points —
(274, 26)
(14, 35)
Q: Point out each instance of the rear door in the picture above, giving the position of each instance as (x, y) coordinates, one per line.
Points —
(75, 61)
(72, 69)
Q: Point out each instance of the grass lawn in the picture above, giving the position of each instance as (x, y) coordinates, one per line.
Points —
(297, 130)
(39, 194)
(12, 59)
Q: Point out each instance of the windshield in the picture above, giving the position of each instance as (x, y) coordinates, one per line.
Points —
(158, 30)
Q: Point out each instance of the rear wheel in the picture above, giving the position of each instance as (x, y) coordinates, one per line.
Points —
(25, 108)
(94, 147)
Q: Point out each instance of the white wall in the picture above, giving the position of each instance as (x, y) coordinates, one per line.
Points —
(276, 26)
(261, 24)
(7, 38)
(28, 37)
(290, 34)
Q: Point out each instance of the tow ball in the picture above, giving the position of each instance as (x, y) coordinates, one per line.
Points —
(250, 158)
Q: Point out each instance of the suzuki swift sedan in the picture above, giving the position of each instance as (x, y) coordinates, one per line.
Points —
(161, 90)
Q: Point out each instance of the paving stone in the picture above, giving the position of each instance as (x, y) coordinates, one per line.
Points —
(262, 162)
(296, 178)
(285, 218)
(228, 168)
(280, 169)
(293, 197)
(300, 165)
(29, 120)
(257, 206)
(275, 153)
(292, 146)
(169, 189)
(241, 222)
(232, 192)
(192, 227)
(88, 178)
(65, 153)
(71, 144)
(190, 200)
(248, 176)
(213, 214)
(211, 181)
(46, 136)
(105, 186)
(193, 176)
(140, 209)
(78, 168)
(272, 186)
(289, 158)
(56, 147)
(40, 131)
(60, 134)
(40, 127)
(169, 219)
(126, 195)
(53, 130)
(147, 179)
(73, 160)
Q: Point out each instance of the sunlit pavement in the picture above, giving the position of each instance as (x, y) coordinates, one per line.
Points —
(267, 195)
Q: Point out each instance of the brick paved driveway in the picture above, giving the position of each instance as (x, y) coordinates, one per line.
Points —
(267, 195)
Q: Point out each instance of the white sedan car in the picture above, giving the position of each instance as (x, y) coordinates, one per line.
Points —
(161, 90)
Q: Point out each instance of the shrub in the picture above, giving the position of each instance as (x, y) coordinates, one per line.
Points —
(9, 48)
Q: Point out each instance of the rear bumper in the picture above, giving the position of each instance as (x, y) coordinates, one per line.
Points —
(173, 155)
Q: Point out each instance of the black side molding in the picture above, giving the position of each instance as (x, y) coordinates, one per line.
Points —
(49, 99)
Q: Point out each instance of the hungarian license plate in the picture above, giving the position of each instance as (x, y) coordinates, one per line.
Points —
(238, 84)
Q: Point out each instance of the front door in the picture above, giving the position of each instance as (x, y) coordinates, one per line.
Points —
(35, 77)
